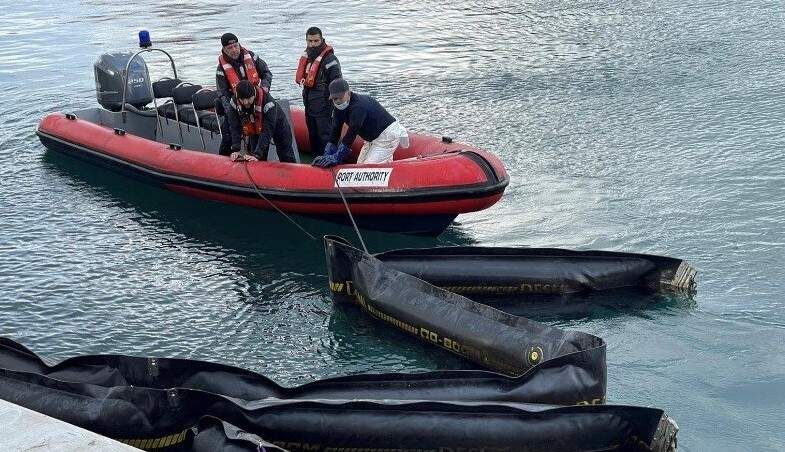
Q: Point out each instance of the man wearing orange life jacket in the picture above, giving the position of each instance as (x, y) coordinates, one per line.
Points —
(255, 116)
(318, 66)
(235, 63)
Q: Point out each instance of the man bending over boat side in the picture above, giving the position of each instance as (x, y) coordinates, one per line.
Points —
(366, 118)
(257, 117)
(235, 63)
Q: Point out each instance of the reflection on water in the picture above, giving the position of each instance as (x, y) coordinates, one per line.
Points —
(195, 218)
(592, 305)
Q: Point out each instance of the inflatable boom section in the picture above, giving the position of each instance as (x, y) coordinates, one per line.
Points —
(168, 404)
(515, 271)
(571, 362)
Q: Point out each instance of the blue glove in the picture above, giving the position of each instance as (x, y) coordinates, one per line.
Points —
(332, 157)
(342, 153)
(329, 149)
(326, 161)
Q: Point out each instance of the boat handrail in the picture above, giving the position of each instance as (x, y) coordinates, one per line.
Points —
(149, 82)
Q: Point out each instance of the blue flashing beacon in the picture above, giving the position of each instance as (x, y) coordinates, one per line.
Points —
(144, 39)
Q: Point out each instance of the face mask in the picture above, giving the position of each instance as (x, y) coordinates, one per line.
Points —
(341, 106)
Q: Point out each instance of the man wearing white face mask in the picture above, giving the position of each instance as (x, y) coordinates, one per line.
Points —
(368, 119)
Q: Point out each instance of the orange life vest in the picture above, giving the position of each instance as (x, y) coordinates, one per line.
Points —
(309, 79)
(231, 74)
(255, 127)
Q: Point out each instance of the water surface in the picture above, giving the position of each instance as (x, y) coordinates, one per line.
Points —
(649, 127)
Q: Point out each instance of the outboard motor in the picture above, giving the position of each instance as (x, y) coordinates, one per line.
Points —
(109, 71)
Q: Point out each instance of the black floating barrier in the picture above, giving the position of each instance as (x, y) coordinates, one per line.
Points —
(473, 270)
(540, 387)
(166, 405)
(573, 362)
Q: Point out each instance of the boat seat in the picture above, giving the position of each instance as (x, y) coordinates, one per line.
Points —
(163, 88)
(204, 99)
(204, 104)
(183, 93)
(167, 110)
(207, 118)
(209, 121)
(181, 100)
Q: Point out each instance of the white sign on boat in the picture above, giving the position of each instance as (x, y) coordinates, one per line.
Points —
(363, 177)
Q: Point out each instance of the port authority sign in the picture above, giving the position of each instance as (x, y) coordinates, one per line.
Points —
(363, 177)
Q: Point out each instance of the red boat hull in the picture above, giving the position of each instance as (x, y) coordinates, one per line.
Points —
(430, 178)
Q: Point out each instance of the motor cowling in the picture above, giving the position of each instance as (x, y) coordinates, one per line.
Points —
(109, 80)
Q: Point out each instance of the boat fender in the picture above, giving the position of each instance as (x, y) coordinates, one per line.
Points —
(120, 132)
(175, 146)
(70, 116)
(447, 140)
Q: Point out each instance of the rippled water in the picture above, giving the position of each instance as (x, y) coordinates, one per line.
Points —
(637, 126)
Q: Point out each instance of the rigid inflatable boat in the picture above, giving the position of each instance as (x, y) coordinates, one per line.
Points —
(175, 145)
(165, 404)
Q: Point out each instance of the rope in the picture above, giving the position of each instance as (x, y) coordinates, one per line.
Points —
(261, 195)
(349, 211)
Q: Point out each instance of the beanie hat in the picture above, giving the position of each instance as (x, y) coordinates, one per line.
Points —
(227, 39)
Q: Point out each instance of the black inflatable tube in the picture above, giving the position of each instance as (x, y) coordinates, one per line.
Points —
(541, 385)
(514, 271)
(212, 434)
(489, 337)
(87, 394)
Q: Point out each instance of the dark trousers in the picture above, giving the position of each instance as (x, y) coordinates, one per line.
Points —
(282, 137)
(226, 137)
(319, 130)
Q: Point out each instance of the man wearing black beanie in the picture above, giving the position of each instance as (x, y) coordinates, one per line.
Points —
(235, 63)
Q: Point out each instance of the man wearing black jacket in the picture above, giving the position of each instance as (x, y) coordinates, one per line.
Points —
(256, 116)
(318, 66)
(235, 63)
(365, 117)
